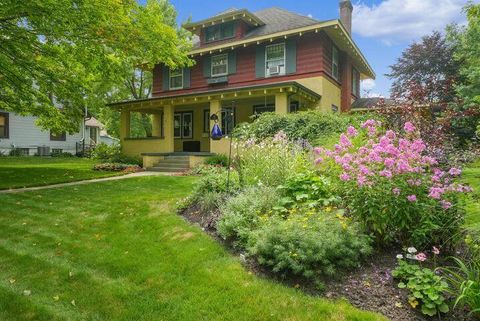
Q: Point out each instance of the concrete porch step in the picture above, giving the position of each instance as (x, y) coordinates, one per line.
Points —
(167, 169)
(173, 165)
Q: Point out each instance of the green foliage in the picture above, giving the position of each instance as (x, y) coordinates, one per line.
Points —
(306, 189)
(271, 161)
(113, 154)
(219, 159)
(241, 213)
(116, 167)
(309, 243)
(308, 125)
(464, 278)
(77, 53)
(425, 287)
(214, 179)
(62, 154)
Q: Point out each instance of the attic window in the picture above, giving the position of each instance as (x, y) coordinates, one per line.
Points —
(219, 32)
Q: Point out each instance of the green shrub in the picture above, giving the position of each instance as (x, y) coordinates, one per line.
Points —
(307, 125)
(113, 154)
(426, 288)
(309, 244)
(306, 189)
(241, 213)
(270, 161)
(62, 155)
(217, 160)
(214, 179)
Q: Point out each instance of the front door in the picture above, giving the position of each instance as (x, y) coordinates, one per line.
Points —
(183, 125)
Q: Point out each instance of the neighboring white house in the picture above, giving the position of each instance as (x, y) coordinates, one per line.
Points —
(21, 133)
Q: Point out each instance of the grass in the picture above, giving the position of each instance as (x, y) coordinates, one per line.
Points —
(117, 251)
(471, 176)
(16, 172)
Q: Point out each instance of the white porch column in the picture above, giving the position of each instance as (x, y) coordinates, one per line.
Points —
(168, 112)
(281, 103)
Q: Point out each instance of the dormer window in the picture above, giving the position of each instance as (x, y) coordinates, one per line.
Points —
(275, 60)
(220, 65)
(176, 79)
(220, 32)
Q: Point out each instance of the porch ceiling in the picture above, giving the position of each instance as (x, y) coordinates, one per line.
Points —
(153, 104)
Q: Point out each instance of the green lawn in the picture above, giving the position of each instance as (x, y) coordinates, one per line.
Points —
(471, 176)
(117, 251)
(18, 172)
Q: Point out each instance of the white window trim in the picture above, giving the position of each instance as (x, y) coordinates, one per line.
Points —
(170, 80)
(284, 59)
(335, 50)
(226, 69)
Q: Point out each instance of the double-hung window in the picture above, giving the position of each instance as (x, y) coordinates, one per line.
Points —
(3, 125)
(275, 60)
(335, 63)
(356, 82)
(176, 79)
(220, 65)
(220, 32)
(58, 137)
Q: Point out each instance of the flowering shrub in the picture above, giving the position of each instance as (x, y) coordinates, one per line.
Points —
(309, 243)
(426, 288)
(270, 161)
(389, 185)
(115, 167)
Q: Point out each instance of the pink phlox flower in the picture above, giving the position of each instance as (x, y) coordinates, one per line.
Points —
(371, 131)
(436, 192)
(454, 171)
(445, 204)
(396, 191)
(412, 198)
(319, 150)
(390, 134)
(363, 150)
(428, 160)
(409, 127)
(345, 177)
(319, 160)
(389, 162)
(403, 144)
(369, 123)
(347, 167)
(418, 145)
(352, 131)
(421, 257)
(344, 141)
(438, 172)
(436, 250)
(386, 173)
(361, 180)
(364, 170)
(403, 166)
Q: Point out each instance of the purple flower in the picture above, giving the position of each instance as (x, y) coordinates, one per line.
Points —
(435, 250)
(412, 198)
(351, 131)
(409, 127)
(445, 204)
(436, 192)
(345, 177)
(344, 141)
(396, 191)
(421, 257)
(386, 173)
(455, 171)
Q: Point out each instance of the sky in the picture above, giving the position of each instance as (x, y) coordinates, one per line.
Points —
(381, 28)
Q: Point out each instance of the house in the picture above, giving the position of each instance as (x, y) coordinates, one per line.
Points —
(20, 133)
(246, 63)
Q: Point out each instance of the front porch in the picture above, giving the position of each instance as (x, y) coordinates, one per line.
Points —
(182, 124)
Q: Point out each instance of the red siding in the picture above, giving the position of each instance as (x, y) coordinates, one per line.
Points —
(314, 58)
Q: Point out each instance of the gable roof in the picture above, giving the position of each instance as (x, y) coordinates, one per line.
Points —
(277, 20)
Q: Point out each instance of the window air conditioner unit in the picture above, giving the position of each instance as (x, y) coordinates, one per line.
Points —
(275, 70)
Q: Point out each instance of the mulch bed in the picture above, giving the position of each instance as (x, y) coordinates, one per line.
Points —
(369, 287)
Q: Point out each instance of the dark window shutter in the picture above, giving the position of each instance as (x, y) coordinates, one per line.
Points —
(291, 56)
(232, 62)
(260, 62)
(165, 78)
(186, 77)
(207, 67)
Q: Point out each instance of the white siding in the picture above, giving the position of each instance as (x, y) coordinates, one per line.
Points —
(23, 133)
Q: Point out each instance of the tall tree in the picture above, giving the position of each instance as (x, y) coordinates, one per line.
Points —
(74, 53)
(429, 64)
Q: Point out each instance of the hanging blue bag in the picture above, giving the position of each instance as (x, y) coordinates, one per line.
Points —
(216, 132)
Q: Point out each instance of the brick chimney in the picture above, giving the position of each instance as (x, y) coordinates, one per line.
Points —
(346, 9)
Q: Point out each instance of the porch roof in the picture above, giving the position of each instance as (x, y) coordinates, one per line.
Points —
(292, 87)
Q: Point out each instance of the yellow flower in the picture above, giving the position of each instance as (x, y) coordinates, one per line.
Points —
(413, 302)
(328, 209)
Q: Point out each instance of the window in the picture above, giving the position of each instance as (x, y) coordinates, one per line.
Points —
(206, 121)
(335, 108)
(58, 137)
(355, 82)
(183, 125)
(219, 65)
(3, 125)
(57, 151)
(335, 63)
(275, 60)
(294, 106)
(93, 134)
(220, 32)
(176, 79)
(228, 120)
(260, 109)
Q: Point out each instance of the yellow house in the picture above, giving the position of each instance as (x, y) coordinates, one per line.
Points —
(246, 63)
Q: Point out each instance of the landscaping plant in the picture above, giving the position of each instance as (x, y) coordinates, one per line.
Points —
(217, 160)
(392, 187)
(426, 288)
(309, 243)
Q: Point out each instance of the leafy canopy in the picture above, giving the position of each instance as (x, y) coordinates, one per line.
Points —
(73, 53)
